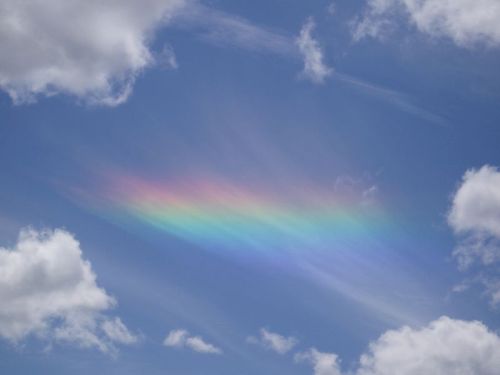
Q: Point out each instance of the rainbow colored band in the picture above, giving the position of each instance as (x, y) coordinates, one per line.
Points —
(218, 214)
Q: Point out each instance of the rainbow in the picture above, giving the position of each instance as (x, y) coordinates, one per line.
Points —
(216, 214)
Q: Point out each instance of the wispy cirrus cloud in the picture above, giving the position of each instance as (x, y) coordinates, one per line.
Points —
(398, 99)
(226, 29)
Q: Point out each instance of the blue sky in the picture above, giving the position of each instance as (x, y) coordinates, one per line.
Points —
(215, 187)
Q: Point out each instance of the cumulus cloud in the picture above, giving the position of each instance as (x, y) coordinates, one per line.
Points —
(315, 68)
(180, 338)
(475, 216)
(48, 290)
(476, 203)
(322, 363)
(446, 346)
(274, 341)
(465, 22)
(90, 49)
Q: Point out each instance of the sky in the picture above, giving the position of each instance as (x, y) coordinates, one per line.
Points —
(195, 187)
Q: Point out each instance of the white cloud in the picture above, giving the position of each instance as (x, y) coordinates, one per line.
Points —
(181, 338)
(118, 332)
(314, 66)
(176, 338)
(323, 363)
(465, 22)
(274, 341)
(476, 204)
(199, 345)
(446, 346)
(91, 49)
(492, 288)
(47, 289)
(475, 216)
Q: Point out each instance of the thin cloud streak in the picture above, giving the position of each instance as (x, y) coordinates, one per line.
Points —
(225, 29)
(398, 99)
(384, 308)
